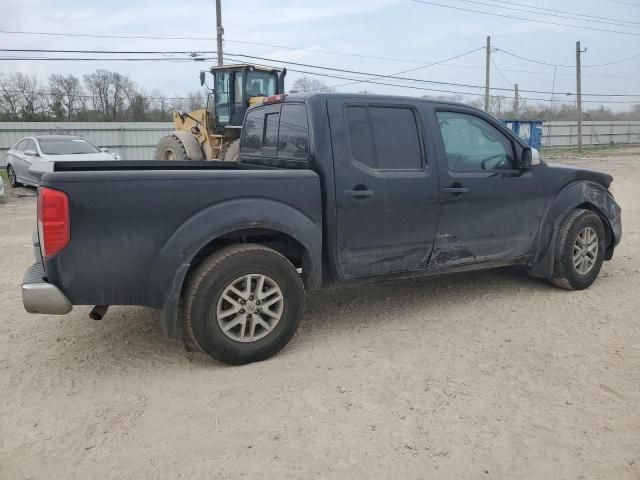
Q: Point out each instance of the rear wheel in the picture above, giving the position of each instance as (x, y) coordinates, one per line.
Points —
(13, 179)
(243, 304)
(171, 148)
(580, 250)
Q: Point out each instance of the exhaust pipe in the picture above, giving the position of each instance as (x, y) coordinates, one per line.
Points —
(98, 312)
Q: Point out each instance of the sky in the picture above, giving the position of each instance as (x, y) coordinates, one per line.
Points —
(402, 35)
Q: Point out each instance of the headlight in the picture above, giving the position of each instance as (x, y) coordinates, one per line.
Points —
(116, 156)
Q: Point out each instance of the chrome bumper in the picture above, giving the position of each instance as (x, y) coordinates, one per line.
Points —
(39, 296)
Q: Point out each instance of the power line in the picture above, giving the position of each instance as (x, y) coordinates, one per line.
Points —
(524, 18)
(133, 52)
(538, 72)
(564, 11)
(623, 3)
(539, 62)
(96, 35)
(536, 11)
(85, 59)
(355, 80)
(393, 76)
(287, 47)
(414, 87)
(500, 72)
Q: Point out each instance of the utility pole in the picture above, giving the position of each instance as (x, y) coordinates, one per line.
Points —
(516, 102)
(579, 92)
(488, 75)
(219, 30)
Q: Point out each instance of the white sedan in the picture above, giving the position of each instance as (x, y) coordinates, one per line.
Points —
(31, 157)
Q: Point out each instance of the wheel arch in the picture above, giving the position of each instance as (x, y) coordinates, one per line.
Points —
(585, 195)
(278, 226)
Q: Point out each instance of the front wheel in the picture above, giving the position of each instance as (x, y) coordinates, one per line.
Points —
(170, 147)
(580, 250)
(243, 304)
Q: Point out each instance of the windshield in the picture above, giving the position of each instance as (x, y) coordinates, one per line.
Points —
(261, 83)
(67, 146)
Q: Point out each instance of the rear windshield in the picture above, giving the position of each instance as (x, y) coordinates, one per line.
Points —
(276, 131)
(70, 146)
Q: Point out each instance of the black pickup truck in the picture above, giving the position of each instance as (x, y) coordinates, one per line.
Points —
(330, 189)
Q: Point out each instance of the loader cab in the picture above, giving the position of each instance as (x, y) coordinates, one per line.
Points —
(234, 86)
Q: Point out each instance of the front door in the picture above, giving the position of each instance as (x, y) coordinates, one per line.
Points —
(386, 187)
(490, 207)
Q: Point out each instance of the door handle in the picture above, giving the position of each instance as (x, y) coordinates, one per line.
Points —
(455, 189)
(360, 192)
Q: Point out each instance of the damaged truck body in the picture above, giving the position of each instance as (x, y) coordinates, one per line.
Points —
(330, 189)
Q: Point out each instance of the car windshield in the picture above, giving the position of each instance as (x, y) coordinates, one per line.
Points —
(66, 146)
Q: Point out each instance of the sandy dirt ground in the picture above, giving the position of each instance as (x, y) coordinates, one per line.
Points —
(484, 375)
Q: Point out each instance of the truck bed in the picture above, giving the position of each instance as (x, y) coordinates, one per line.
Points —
(135, 225)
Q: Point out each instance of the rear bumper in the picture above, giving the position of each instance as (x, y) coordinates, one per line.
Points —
(39, 296)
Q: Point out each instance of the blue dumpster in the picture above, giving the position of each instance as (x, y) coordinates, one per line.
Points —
(528, 130)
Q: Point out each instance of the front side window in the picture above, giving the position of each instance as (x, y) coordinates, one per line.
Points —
(383, 138)
(21, 145)
(473, 144)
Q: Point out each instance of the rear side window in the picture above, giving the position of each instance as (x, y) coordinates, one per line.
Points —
(384, 138)
(271, 122)
(293, 140)
(278, 130)
(252, 131)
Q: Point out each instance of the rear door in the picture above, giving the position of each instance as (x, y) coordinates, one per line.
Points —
(386, 187)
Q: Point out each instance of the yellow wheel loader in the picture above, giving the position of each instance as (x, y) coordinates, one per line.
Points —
(214, 134)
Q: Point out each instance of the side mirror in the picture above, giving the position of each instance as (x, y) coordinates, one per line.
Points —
(530, 157)
(31, 153)
(202, 78)
(105, 149)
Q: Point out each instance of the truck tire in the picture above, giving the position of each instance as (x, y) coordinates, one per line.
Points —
(243, 304)
(170, 148)
(231, 152)
(580, 250)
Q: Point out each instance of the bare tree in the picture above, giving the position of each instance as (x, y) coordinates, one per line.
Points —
(24, 98)
(9, 100)
(66, 95)
(307, 84)
(98, 84)
(195, 101)
(496, 105)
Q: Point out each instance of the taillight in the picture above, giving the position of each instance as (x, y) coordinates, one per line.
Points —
(53, 221)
